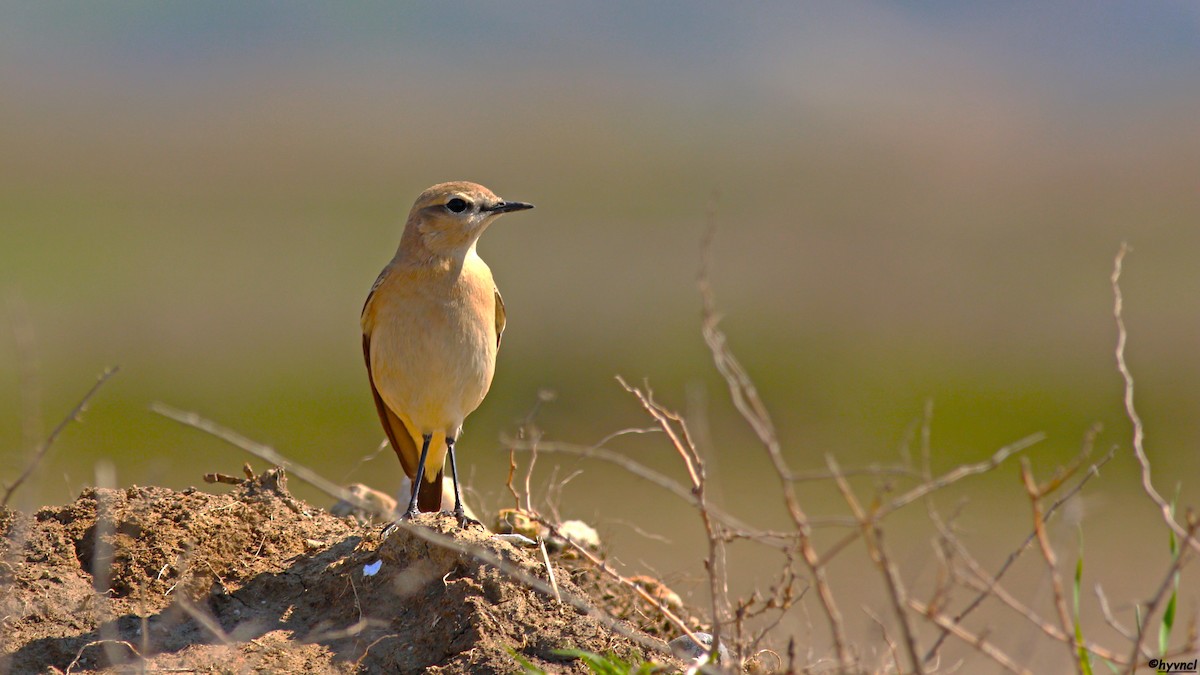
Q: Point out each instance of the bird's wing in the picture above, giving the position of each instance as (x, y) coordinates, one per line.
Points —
(499, 317)
(371, 295)
(397, 433)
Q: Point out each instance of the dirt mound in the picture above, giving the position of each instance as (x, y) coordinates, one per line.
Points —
(257, 581)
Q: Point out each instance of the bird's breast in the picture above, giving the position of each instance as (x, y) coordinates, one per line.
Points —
(433, 344)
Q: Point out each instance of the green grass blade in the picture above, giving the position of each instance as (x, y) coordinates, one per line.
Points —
(1085, 658)
(527, 666)
(607, 664)
(1168, 618)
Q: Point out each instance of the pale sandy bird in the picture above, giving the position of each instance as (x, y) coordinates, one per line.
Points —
(431, 328)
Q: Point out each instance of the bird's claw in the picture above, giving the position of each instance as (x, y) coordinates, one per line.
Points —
(465, 521)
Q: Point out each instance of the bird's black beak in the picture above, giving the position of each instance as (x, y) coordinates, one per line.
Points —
(505, 207)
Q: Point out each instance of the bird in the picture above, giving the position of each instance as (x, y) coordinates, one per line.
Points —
(431, 328)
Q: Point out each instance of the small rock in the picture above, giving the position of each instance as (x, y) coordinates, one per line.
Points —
(377, 504)
(516, 521)
(518, 540)
(577, 531)
(660, 592)
(687, 649)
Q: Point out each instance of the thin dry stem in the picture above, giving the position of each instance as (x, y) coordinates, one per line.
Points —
(1139, 430)
(869, 470)
(1164, 586)
(676, 430)
(102, 561)
(358, 662)
(1093, 471)
(512, 472)
(891, 644)
(989, 586)
(526, 429)
(105, 643)
(735, 527)
(1112, 621)
(976, 641)
(624, 581)
(754, 412)
(1036, 494)
(872, 536)
(75, 414)
(383, 445)
(931, 486)
(203, 618)
(533, 450)
(549, 570)
(959, 473)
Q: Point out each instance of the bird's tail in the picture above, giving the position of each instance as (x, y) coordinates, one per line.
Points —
(429, 494)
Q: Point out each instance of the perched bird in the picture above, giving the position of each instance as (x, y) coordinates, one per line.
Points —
(431, 328)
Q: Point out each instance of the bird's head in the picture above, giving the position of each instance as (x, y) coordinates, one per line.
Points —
(448, 218)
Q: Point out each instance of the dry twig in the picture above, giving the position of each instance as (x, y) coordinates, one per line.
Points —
(75, 414)
(1139, 431)
(872, 536)
(930, 486)
(1093, 471)
(754, 412)
(100, 643)
(977, 641)
(988, 586)
(1163, 588)
(676, 430)
(1036, 494)
(623, 580)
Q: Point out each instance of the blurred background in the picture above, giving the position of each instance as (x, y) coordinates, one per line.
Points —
(914, 202)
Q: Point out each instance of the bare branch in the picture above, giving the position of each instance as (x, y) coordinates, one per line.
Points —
(976, 641)
(1093, 471)
(959, 473)
(623, 580)
(872, 536)
(1163, 587)
(737, 527)
(1139, 431)
(1108, 615)
(1036, 493)
(101, 643)
(989, 586)
(676, 430)
(930, 486)
(891, 644)
(75, 414)
(754, 412)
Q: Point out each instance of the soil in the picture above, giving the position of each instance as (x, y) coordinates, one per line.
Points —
(147, 579)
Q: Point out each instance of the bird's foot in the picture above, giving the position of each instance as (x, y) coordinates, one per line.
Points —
(405, 517)
(465, 521)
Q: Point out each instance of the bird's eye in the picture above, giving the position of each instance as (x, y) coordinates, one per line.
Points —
(457, 205)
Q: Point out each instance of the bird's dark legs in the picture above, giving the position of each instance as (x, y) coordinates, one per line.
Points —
(416, 484)
(459, 512)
